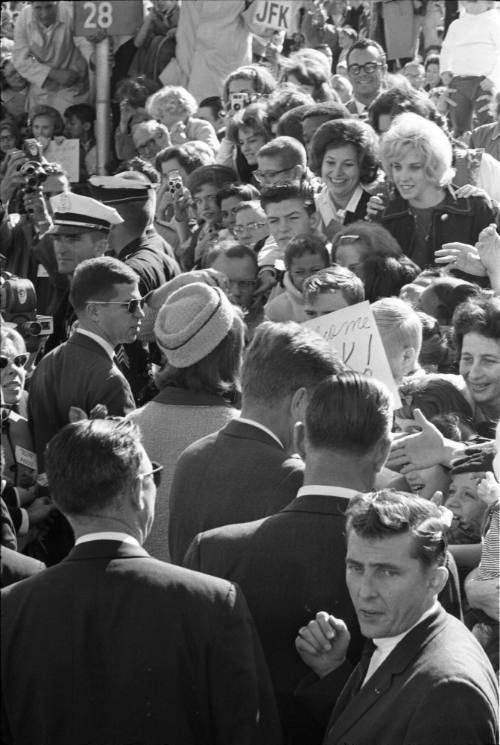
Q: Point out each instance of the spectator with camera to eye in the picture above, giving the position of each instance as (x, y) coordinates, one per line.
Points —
(19, 466)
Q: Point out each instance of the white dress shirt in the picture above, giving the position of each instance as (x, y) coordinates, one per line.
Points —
(108, 535)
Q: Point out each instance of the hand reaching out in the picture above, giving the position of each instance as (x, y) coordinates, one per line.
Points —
(323, 643)
(488, 248)
(421, 450)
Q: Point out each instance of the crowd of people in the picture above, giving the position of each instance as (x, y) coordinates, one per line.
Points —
(215, 531)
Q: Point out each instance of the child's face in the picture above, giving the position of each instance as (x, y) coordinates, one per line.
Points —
(302, 267)
(432, 74)
(43, 128)
(75, 128)
(250, 227)
(324, 303)
(468, 509)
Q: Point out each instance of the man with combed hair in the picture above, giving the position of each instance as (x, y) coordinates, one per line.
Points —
(423, 678)
(401, 332)
(292, 563)
(245, 471)
(282, 160)
(83, 372)
(122, 647)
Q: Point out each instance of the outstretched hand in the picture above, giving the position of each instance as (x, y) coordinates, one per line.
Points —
(420, 450)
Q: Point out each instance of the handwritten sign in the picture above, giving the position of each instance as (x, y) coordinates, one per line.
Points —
(354, 335)
(277, 15)
(67, 154)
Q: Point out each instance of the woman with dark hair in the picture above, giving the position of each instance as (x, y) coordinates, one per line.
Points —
(249, 130)
(200, 335)
(344, 153)
(444, 295)
(310, 71)
(476, 328)
(358, 240)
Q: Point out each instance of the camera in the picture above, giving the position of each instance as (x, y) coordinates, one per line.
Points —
(34, 175)
(174, 182)
(239, 101)
(18, 307)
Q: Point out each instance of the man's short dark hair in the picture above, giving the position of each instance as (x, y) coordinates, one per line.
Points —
(334, 277)
(245, 192)
(480, 316)
(282, 358)
(288, 149)
(231, 250)
(389, 513)
(91, 463)
(190, 156)
(364, 44)
(95, 279)
(282, 192)
(348, 413)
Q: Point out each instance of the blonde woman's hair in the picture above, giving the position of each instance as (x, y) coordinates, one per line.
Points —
(411, 131)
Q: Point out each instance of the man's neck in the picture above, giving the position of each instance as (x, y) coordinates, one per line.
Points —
(327, 469)
(271, 418)
(366, 98)
(123, 237)
(106, 524)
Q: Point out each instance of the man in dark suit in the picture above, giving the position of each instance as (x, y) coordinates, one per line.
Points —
(82, 372)
(123, 648)
(293, 562)
(423, 679)
(244, 471)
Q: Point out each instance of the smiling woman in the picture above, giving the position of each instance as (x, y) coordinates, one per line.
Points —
(344, 153)
(476, 326)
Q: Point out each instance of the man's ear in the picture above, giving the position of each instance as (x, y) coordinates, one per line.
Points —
(408, 359)
(299, 171)
(299, 439)
(101, 246)
(380, 452)
(298, 405)
(438, 579)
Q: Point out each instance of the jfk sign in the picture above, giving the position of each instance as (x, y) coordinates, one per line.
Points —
(277, 15)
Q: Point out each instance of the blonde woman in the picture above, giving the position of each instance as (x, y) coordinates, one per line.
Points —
(175, 107)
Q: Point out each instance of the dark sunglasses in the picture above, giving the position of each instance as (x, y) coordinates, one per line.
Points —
(155, 473)
(131, 306)
(19, 361)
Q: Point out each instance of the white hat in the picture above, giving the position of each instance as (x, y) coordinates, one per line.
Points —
(73, 213)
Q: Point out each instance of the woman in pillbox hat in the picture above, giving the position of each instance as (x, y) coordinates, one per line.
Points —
(200, 335)
(192, 323)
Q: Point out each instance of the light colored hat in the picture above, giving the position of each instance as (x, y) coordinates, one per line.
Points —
(74, 213)
(127, 186)
(192, 323)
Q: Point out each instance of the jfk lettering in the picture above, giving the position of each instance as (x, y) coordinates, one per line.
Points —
(273, 14)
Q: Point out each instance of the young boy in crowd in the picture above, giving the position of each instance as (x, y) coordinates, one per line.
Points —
(250, 226)
(79, 125)
(331, 289)
(304, 255)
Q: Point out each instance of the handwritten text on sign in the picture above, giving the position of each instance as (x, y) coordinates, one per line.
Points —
(354, 335)
(274, 14)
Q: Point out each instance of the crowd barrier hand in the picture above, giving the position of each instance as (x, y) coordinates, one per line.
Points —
(322, 644)
(461, 256)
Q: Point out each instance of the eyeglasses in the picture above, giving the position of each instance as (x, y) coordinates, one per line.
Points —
(132, 306)
(155, 473)
(19, 361)
(369, 67)
(240, 229)
(263, 176)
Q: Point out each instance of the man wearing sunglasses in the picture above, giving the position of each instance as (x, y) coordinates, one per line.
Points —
(83, 371)
(367, 71)
(125, 648)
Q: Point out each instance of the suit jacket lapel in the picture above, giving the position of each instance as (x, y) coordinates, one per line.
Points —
(318, 503)
(351, 706)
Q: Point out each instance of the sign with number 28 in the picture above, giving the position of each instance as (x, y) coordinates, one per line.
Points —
(116, 17)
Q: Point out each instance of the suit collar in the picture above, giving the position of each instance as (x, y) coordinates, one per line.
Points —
(246, 431)
(105, 549)
(319, 504)
(350, 708)
(85, 342)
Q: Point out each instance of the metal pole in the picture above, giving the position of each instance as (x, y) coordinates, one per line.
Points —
(103, 92)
